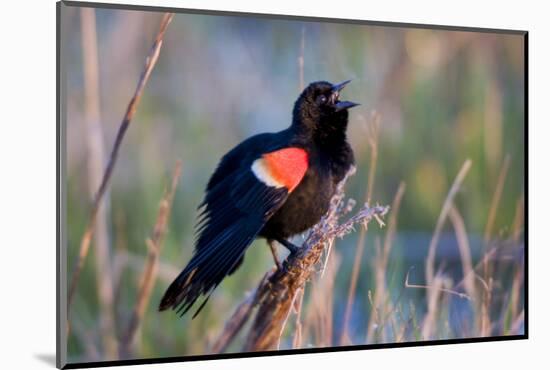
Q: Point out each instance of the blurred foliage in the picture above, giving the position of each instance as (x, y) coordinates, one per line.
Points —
(443, 97)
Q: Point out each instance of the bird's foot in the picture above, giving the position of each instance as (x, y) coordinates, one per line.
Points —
(288, 245)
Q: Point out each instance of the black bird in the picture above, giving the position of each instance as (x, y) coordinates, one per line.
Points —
(272, 185)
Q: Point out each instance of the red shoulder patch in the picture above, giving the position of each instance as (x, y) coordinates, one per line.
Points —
(287, 166)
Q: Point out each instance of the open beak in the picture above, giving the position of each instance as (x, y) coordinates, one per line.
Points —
(340, 105)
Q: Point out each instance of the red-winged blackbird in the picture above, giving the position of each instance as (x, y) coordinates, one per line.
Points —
(272, 185)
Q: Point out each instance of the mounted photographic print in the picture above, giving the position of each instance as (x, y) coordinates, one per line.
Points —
(236, 184)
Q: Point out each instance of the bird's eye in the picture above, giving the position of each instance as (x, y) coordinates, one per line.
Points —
(322, 99)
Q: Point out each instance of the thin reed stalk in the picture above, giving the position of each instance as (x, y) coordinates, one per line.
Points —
(301, 58)
(434, 290)
(488, 267)
(495, 201)
(486, 257)
(149, 275)
(433, 285)
(486, 326)
(95, 159)
(381, 262)
(430, 260)
(372, 138)
(236, 321)
(514, 301)
(128, 116)
(441, 288)
(360, 246)
(464, 251)
(297, 341)
(517, 226)
(318, 320)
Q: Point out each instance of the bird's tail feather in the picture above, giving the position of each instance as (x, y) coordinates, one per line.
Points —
(221, 257)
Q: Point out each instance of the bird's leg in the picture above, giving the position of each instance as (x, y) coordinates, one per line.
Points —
(291, 247)
(274, 253)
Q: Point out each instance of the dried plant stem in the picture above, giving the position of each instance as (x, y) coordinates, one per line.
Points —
(517, 226)
(149, 274)
(433, 285)
(464, 250)
(485, 308)
(297, 341)
(360, 247)
(430, 260)
(318, 320)
(495, 201)
(95, 158)
(135, 262)
(486, 257)
(488, 268)
(301, 58)
(436, 287)
(130, 112)
(237, 320)
(372, 137)
(276, 295)
(381, 261)
(433, 303)
(514, 300)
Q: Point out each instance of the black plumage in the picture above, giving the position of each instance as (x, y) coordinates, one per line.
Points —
(250, 196)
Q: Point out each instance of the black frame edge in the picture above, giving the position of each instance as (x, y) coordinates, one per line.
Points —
(526, 181)
(286, 352)
(61, 266)
(58, 363)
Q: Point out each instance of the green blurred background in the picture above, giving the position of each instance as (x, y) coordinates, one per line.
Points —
(442, 97)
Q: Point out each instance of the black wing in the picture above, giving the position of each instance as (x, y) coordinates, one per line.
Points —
(236, 207)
